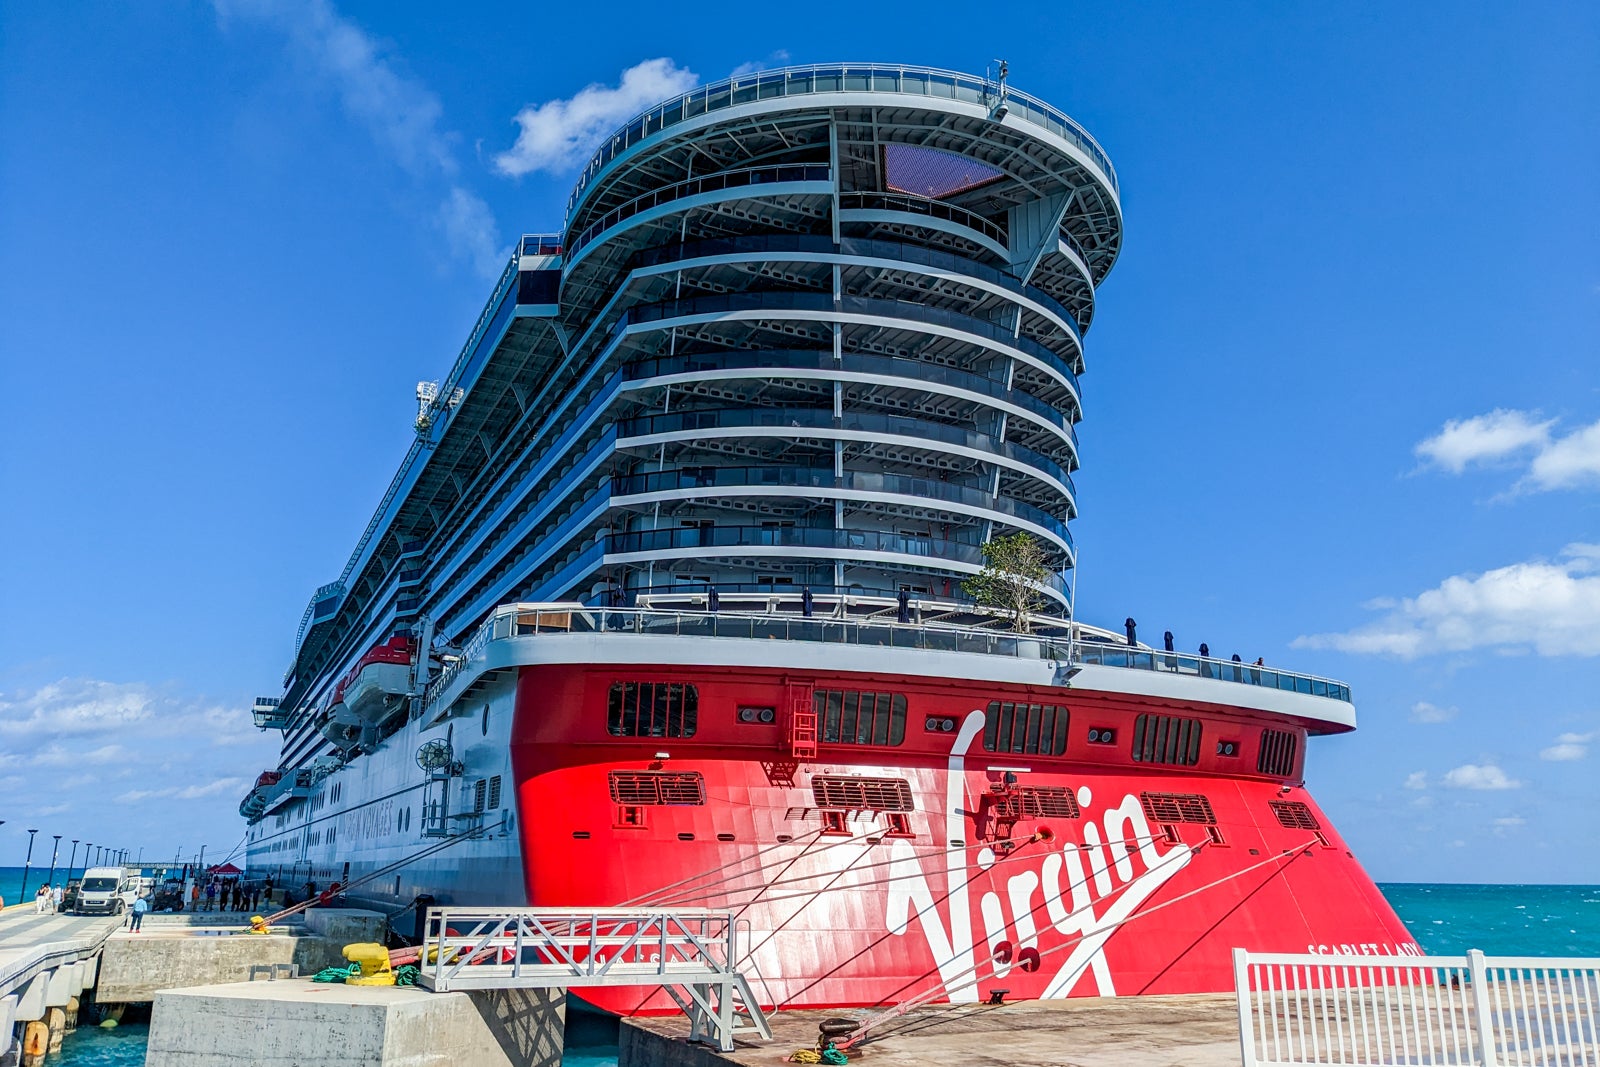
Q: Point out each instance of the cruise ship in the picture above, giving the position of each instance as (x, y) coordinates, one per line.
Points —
(669, 602)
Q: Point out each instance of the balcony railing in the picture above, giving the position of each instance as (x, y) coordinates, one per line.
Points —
(1147, 659)
(906, 252)
(914, 371)
(520, 620)
(911, 313)
(831, 78)
(921, 205)
(711, 183)
(801, 478)
(801, 419)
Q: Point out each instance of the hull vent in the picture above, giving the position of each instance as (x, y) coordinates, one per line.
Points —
(1277, 753)
(862, 794)
(648, 787)
(1050, 803)
(1295, 815)
(1178, 807)
(1166, 739)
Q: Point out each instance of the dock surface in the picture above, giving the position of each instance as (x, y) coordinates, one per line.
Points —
(31, 943)
(1186, 1031)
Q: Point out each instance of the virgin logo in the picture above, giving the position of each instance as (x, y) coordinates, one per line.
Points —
(1082, 891)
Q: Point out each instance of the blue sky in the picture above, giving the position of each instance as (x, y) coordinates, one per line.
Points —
(1343, 393)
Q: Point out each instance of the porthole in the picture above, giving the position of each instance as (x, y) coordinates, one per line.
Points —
(758, 715)
(1102, 735)
(1227, 748)
(938, 724)
(485, 723)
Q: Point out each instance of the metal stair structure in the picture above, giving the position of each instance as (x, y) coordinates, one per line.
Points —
(690, 953)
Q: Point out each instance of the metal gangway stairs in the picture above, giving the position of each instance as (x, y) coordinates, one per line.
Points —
(691, 953)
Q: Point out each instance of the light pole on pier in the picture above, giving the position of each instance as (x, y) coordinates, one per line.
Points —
(22, 894)
(55, 853)
(72, 861)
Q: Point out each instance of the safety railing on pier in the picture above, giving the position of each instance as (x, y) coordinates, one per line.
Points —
(516, 620)
(690, 952)
(1387, 1011)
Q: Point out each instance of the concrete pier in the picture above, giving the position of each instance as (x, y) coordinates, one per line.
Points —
(181, 951)
(311, 1025)
(1188, 1031)
(45, 962)
(48, 961)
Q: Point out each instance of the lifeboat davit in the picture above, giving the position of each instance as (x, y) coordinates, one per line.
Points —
(372, 689)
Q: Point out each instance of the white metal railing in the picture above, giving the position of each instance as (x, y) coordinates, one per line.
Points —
(831, 625)
(1388, 1011)
(689, 952)
(573, 946)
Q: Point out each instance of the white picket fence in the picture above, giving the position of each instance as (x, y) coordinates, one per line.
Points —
(1410, 1011)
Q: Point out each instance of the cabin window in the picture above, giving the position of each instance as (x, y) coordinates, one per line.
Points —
(850, 717)
(1277, 753)
(861, 794)
(657, 787)
(1033, 729)
(494, 793)
(1166, 739)
(652, 709)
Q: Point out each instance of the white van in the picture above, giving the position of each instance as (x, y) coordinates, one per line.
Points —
(105, 891)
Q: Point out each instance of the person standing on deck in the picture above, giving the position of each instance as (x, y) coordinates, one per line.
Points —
(211, 895)
(140, 906)
(194, 897)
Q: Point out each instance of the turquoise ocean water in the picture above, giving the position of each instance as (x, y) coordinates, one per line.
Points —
(1504, 920)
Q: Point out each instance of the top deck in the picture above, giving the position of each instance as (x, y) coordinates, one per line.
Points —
(869, 633)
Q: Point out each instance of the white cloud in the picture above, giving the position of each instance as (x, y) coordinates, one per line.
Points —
(1417, 780)
(179, 764)
(775, 59)
(1480, 776)
(1483, 439)
(400, 113)
(1552, 461)
(1422, 711)
(1551, 607)
(1511, 820)
(1570, 462)
(557, 134)
(216, 787)
(1569, 747)
(469, 228)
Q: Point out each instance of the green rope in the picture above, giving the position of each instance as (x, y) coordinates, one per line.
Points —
(337, 974)
(834, 1056)
(406, 974)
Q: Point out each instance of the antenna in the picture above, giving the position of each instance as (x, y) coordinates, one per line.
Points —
(1001, 107)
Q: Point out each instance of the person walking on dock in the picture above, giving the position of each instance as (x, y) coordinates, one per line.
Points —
(41, 900)
(140, 906)
(211, 895)
(194, 897)
(56, 894)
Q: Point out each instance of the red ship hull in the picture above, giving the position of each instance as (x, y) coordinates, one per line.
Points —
(936, 867)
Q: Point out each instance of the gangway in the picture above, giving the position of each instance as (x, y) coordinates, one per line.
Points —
(688, 952)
